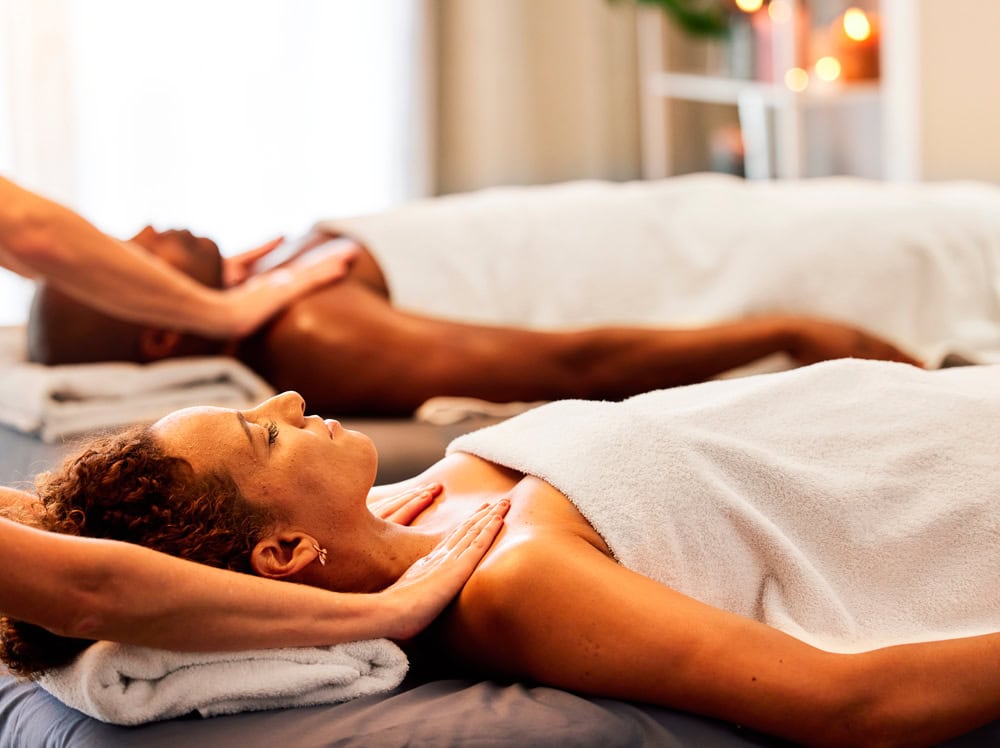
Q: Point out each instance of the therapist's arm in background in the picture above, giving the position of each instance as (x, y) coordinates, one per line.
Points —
(44, 240)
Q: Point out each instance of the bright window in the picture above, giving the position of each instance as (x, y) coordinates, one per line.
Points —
(239, 119)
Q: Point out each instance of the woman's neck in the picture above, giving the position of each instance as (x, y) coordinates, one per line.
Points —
(383, 551)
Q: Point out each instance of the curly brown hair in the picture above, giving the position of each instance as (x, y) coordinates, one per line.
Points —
(125, 487)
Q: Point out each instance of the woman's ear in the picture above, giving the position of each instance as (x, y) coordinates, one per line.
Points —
(284, 554)
(156, 344)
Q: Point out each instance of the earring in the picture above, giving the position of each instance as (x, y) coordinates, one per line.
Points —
(321, 554)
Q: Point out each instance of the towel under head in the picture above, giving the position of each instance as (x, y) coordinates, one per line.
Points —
(131, 685)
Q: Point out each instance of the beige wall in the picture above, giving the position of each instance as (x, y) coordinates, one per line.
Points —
(959, 92)
(533, 91)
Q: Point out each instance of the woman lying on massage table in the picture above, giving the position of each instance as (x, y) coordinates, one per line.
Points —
(812, 553)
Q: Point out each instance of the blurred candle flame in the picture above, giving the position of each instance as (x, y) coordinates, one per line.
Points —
(797, 79)
(856, 24)
(828, 68)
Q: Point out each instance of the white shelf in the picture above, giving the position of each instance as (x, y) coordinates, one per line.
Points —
(770, 114)
(719, 90)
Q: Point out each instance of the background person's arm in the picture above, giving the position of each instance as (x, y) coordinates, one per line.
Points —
(98, 589)
(44, 240)
(347, 350)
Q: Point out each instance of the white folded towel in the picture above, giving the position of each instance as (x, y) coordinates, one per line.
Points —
(130, 685)
(445, 411)
(54, 402)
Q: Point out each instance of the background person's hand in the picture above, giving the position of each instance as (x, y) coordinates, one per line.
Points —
(237, 268)
(432, 582)
(817, 340)
(261, 296)
(403, 508)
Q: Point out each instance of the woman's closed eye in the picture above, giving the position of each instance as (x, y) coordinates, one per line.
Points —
(272, 433)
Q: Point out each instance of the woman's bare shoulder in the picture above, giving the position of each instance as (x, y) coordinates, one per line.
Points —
(528, 571)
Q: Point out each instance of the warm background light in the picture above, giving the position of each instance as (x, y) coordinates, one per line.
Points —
(856, 24)
(749, 6)
(828, 68)
(780, 11)
(797, 79)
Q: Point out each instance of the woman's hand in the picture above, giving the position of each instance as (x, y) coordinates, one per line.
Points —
(405, 507)
(431, 583)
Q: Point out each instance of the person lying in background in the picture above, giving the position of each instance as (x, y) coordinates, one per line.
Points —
(100, 589)
(45, 241)
(810, 553)
(598, 290)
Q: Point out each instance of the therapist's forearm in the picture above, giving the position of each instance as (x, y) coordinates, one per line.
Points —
(46, 240)
(97, 589)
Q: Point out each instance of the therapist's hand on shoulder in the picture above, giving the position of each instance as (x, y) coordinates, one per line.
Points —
(424, 590)
(253, 298)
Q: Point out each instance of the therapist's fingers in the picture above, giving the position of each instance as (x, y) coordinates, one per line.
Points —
(469, 534)
(432, 582)
(403, 508)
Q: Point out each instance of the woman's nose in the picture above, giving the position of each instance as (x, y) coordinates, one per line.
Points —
(288, 405)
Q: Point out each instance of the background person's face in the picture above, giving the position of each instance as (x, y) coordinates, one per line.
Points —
(64, 330)
(194, 255)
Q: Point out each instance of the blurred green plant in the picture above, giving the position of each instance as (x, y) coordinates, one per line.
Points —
(696, 17)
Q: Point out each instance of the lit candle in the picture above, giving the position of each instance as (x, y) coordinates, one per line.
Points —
(856, 44)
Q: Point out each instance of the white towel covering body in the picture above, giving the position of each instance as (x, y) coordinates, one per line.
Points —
(851, 504)
(131, 685)
(916, 263)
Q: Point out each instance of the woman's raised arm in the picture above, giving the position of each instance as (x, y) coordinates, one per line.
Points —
(99, 589)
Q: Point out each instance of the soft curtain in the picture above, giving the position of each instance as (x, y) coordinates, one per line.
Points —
(534, 91)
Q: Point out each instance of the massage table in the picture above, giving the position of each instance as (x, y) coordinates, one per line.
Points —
(418, 714)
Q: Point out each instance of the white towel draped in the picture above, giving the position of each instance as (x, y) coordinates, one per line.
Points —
(918, 264)
(851, 504)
